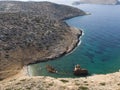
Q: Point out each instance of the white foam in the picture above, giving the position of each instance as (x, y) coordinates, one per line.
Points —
(79, 43)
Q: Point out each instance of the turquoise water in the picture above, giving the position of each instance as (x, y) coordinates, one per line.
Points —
(99, 51)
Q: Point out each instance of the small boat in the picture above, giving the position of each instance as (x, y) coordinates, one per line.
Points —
(51, 69)
(78, 71)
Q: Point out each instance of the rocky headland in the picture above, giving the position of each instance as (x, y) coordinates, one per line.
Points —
(31, 32)
(104, 2)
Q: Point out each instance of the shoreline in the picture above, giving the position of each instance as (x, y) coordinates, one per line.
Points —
(74, 45)
(41, 35)
(77, 33)
(94, 82)
(70, 50)
(24, 80)
(79, 42)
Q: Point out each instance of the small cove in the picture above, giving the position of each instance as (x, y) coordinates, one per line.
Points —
(99, 51)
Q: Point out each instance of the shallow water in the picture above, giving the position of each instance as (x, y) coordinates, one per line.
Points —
(99, 51)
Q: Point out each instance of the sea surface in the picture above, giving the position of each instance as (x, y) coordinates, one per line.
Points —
(99, 51)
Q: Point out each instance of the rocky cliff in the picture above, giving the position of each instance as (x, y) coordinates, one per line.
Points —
(32, 32)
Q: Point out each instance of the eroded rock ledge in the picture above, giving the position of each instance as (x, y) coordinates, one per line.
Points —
(34, 31)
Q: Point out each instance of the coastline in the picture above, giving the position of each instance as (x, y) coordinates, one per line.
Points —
(79, 42)
(40, 36)
(94, 82)
(75, 33)
(24, 80)
(78, 33)
(25, 71)
(69, 50)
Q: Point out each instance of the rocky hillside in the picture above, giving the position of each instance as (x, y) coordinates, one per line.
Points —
(96, 82)
(111, 2)
(41, 8)
(32, 32)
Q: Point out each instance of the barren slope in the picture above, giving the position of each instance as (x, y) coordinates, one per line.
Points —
(32, 32)
(96, 82)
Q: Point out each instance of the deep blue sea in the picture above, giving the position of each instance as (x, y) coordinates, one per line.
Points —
(99, 51)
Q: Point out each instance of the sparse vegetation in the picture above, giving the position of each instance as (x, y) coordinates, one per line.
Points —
(31, 32)
(77, 83)
(85, 82)
(102, 83)
(8, 89)
(83, 88)
(118, 84)
(28, 88)
(50, 84)
(18, 83)
(64, 81)
(22, 79)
